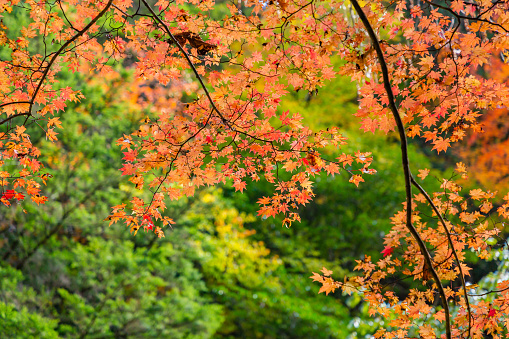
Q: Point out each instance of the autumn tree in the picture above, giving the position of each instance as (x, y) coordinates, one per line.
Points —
(419, 67)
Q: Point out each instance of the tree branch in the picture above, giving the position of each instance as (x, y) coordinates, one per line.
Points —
(190, 63)
(459, 16)
(12, 117)
(449, 239)
(406, 166)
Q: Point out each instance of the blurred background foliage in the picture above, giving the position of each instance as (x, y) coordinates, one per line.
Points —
(220, 271)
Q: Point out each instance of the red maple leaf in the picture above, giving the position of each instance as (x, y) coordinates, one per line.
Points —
(9, 194)
(130, 155)
(147, 220)
(128, 169)
(387, 251)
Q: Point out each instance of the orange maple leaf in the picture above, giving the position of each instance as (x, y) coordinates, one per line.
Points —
(441, 144)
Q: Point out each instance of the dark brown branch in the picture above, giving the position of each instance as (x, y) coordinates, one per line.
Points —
(449, 239)
(489, 292)
(406, 166)
(190, 63)
(12, 117)
(459, 16)
(11, 103)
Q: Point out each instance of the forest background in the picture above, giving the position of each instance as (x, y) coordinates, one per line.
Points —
(221, 271)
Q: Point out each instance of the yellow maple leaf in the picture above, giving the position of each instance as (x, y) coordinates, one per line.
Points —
(326, 272)
(461, 168)
(356, 179)
(316, 277)
(423, 173)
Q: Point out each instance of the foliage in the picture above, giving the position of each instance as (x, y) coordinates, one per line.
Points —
(418, 69)
(25, 325)
(211, 276)
(486, 151)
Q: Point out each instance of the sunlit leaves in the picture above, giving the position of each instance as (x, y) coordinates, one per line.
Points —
(213, 86)
(401, 257)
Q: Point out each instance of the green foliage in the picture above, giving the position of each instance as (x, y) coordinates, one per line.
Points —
(16, 320)
(23, 324)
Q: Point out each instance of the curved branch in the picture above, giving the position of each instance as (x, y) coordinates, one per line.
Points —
(449, 239)
(12, 103)
(189, 61)
(12, 117)
(406, 166)
(459, 16)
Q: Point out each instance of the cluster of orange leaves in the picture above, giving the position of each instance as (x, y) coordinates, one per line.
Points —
(487, 153)
(236, 133)
(470, 225)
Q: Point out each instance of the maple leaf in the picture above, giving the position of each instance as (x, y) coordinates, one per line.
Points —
(460, 167)
(306, 184)
(414, 130)
(326, 272)
(20, 130)
(348, 289)
(388, 250)
(423, 173)
(441, 144)
(477, 194)
(328, 286)
(440, 316)
(316, 277)
(239, 185)
(130, 155)
(9, 194)
(195, 41)
(51, 134)
(264, 201)
(332, 169)
(54, 122)
(38, 199)
(290, 166)
(356, 179)
(128, 169)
